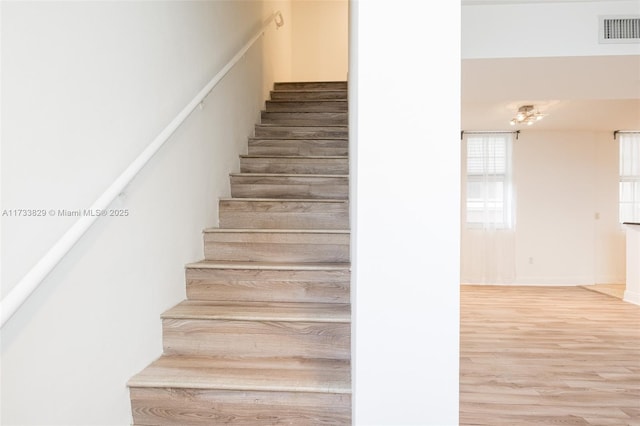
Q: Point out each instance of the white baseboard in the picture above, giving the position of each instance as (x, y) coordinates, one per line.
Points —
(550, 282)
(530, 284)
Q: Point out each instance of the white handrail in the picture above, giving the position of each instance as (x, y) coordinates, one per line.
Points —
(27, 285)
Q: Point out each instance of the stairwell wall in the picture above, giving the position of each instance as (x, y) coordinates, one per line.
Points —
(320, 49)
(85, 87)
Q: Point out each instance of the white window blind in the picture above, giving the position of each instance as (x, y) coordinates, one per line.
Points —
(489, 199)
(629, 194)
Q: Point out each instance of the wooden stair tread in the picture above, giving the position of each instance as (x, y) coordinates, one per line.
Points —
(318, 114)
(274, 266)
(260, 311)
(309, 94)
(294, 140)
(299, 157)
(311, 101)
(304, 126)
(320, 85)
(300, 131)
(287, 200)
(310, 90)
(248, 374)
(294, 146)
(277, 231)
(286, 175)
(310, 105)
(304, 118)
(300, 138)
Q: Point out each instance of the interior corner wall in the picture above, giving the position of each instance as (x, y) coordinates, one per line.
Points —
(86, 86)
(567, 230)
(320, 40)
(405, 187)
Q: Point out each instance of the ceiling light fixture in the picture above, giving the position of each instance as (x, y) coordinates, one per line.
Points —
(526, 115)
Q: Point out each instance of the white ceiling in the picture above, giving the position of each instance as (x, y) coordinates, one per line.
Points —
(481, 2)
(578, 93)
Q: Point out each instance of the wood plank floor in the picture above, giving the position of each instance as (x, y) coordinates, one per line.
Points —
(548, 356)
(615, 290)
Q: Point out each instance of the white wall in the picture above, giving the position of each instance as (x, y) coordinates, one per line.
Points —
(85, 87)
(567, 229)
(406, 183)
(531, 29)
(320, 40)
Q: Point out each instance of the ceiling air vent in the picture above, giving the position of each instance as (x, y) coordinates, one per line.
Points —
(619, 29)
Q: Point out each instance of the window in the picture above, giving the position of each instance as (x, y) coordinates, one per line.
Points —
(629, 177)
(489, 200)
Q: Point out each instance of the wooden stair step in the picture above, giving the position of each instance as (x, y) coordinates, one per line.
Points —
(300, 132)
(308, 94)
(301, 147)
(258, 329)
(269, 213)
(247, 374)
(277, 245)
(310, 85)
(269, 281)
(305, 118)
(306, 106)
(294, 164)
(304, 312)
(272, 185)
(202, 391)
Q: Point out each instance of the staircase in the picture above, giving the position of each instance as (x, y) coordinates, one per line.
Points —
(264, 335)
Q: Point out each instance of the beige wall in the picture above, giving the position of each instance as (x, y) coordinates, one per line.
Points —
(276, 60)
(567, 229)
(566, 214)
(320, 39)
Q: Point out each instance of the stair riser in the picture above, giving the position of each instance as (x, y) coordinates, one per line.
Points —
(298, 147)
(276, 247)
(241, 214)
(323, 286)
(312, 166)
(305, 119)
(310, 85)
(301, 132)
(256, 338)
(290, 187)
(195, 407)
(309, 95)
(306, 106)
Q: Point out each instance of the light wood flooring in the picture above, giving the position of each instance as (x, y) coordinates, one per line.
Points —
(615, 290)
(548, 356)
